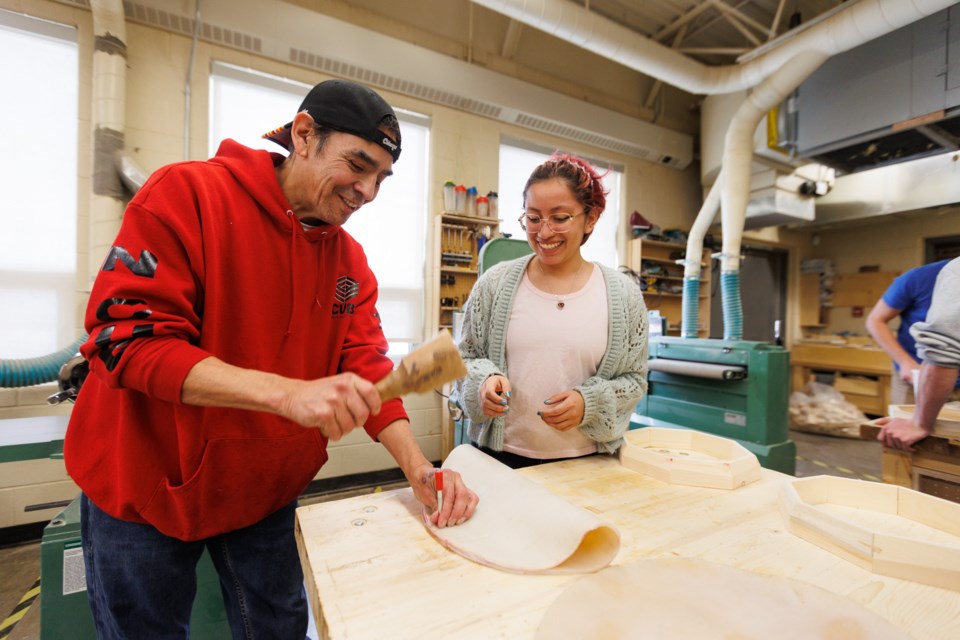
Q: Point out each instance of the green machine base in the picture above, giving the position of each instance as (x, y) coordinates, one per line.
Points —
(736, 389)
(64, 610)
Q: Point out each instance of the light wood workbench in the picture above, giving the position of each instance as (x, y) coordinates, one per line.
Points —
(932, 467)
(870, 396)
(373, 571)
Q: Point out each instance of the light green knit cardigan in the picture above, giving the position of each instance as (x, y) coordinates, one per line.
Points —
(609, 396)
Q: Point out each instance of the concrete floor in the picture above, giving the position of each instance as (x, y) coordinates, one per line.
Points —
(816, 455)
(834, 456)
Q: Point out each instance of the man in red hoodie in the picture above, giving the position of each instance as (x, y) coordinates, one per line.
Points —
(233, 333)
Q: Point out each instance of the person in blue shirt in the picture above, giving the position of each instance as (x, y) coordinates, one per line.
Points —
(908, 297)
(938, 343)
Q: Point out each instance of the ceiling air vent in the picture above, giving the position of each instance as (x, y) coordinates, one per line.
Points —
(391, 83)
(288, 33)
(183, 25)
(581, 135)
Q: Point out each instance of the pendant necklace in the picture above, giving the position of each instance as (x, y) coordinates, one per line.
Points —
(560, 298)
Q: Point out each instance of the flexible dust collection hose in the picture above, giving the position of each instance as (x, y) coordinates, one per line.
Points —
(690, 313)
(732, 305)
(26, 372)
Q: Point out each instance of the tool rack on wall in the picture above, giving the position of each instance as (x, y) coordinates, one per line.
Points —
(456, 259)
(656, 263)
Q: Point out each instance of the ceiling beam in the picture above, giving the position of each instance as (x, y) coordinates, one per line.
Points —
(710, 22)
(655, 89)
(940, 135)
(732, 19)
(776, 21)
(723, 6)
(681, 21)
(723, 51)
(511, 41)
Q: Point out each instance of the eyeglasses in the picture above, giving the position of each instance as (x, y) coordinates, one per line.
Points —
(558, 222)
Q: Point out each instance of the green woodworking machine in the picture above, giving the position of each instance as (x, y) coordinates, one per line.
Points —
(731, 388)
(64, 609)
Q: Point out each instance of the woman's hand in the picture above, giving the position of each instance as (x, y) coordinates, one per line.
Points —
(563, 411)
(495, 396)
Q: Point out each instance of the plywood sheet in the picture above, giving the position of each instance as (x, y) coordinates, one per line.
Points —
(521, 527)
(691, 598)
(373, 571)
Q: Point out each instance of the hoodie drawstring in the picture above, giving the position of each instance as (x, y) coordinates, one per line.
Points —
(293, 270)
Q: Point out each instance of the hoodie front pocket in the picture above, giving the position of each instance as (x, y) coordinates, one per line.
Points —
(238, 482)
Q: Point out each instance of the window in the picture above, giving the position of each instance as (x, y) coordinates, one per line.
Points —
(391, 229)
(245, 104)
(38, 202)
(517, 162)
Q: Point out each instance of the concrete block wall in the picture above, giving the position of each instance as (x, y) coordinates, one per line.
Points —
(465, 147)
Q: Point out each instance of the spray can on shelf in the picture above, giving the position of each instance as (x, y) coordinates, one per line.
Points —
(472, 201)
(449, 196)
(483, 206)
(493, 200)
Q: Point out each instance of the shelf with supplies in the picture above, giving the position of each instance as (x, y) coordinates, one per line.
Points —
(655, 261)
(458, 241)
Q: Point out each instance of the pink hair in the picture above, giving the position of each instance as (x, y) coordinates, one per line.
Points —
(582, 179)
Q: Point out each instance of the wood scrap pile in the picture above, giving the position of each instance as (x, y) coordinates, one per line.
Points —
(819, 408)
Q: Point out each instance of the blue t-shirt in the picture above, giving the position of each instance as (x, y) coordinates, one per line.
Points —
(911, 294)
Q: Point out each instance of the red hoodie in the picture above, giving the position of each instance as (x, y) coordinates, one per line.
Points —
(210, 260)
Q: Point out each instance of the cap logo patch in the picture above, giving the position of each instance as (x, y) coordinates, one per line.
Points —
(387, 142)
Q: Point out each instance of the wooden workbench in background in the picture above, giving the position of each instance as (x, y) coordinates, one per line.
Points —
(850, 363)
(932, 467)
(373, 571)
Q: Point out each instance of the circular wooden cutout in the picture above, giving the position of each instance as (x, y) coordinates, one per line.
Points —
(689, 598)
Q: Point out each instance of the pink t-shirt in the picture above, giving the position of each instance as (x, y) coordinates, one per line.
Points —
(550, 350)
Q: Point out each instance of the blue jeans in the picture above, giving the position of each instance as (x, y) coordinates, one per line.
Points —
(141, 583)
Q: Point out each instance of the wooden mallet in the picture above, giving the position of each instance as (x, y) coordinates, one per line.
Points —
(427, 367)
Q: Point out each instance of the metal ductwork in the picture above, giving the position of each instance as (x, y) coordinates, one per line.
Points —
(840, 31)
(109, 118)
(891, 100)
(774, 71)
(835, 33)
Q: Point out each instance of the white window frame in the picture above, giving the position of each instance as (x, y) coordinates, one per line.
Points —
(392, 229)
(603, 244)
(38, 203)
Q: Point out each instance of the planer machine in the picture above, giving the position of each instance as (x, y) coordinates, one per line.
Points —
(736, 389)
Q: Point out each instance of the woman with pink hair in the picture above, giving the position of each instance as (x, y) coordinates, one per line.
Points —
(555, 346)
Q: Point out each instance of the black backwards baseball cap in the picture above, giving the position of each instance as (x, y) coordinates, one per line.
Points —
(348, 107)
